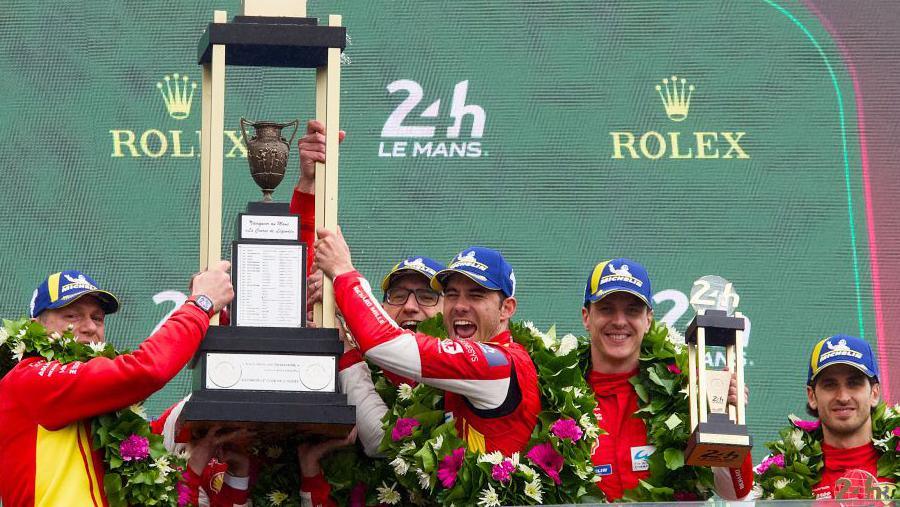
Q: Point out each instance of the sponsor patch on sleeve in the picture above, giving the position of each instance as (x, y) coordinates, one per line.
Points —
(493, 356)
(603, 470)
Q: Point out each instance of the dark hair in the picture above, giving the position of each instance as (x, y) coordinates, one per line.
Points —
(815, 413)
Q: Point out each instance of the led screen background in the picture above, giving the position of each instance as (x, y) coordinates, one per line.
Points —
(505, 125)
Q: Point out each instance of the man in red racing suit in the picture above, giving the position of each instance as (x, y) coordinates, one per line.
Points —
(617, 313)
(490, 381)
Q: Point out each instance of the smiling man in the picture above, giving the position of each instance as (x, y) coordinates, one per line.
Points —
(617, 313)
(490, 381)
(46, 451)
(842, 390)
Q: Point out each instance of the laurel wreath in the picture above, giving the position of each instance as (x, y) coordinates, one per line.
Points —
(796, 461)
(154, 478)
(415, 461)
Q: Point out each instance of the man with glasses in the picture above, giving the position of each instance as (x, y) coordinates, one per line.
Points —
(490, 382)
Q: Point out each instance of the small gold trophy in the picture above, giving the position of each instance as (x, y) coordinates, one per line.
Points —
(719, 432)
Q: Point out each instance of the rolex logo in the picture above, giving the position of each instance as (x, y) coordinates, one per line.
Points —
(674, 99)
(177, 95)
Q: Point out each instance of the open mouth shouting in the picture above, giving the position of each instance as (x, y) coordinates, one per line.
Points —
(464, 329)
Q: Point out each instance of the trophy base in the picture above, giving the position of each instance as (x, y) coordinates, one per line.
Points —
(718, 443)
(271, 415)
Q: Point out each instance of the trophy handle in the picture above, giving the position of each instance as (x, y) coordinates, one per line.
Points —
(296, 124)
(244, 132)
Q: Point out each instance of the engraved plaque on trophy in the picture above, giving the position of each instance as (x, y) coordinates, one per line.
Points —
(719, 432)
(267, 369)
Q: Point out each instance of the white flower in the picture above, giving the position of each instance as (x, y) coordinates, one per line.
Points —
(583, 472)
(534, 490)
(400, 466)
(4, 335)
(489, 497)
(514, 459)
(424, 479)
(21, 332)
(277, 497)
(781, 483)
(590, 429)
(70, 327)
(387, 494)
(54, 336)
(567, 344)
(494, 458)
(404, 392)
(162, 464)
(546, 338)
(407, 448)
(97, 347)
(437, 443)
(674, 336)
(797, 439)
(18, 350)
(273, 452)
(138, 408)
(527, 470)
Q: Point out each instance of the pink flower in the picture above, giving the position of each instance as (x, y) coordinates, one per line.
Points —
(566, 428)
(546, 457)
(403, 428)
(184, 494)
(450, 466)
(806, 426)
(501, 471)
(896, 432)
(777, 459)
(685, 496)
(676, 370)
(358, 495)
(135, 448)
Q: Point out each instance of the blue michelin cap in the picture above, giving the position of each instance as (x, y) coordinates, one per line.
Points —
(484, 266)
(419, 264)
(618, 275)
(61, 289)
(842, 349)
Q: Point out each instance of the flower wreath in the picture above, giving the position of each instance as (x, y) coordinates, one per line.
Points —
(796, 461)
(663, 404)
(429, 464)
(138, 469)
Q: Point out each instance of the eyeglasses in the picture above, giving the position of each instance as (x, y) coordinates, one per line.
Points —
(399, 296)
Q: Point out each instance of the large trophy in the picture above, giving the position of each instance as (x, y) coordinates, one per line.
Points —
(267, 369)
(719, 432)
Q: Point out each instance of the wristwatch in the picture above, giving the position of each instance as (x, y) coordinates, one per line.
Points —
(202, 302)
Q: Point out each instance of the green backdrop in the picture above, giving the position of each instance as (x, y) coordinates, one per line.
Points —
(491, 123)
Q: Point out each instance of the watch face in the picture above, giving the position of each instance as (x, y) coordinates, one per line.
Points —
(205, 303)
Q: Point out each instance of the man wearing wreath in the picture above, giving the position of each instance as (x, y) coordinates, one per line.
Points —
(853, 440)
(490, 381)
(618, 313)
(46, 448)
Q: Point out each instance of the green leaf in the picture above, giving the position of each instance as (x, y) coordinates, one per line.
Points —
(674, 458)
(673, 421)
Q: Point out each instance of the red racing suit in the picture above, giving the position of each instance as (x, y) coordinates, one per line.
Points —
(852, 473)
(46, 446)
(491, 388)
(620, 456)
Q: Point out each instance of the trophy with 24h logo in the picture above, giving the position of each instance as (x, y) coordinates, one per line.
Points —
(719, 431)
(268, 370)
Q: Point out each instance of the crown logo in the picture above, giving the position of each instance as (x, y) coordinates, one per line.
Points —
(177, 95)
(674, 99)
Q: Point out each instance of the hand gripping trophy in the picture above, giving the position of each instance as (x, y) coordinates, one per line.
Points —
(268, 369)
(719, 432)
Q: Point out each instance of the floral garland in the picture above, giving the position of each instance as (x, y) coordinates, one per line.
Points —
(663, 404)
(796, 462)
(429, 464)
(138, 469)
